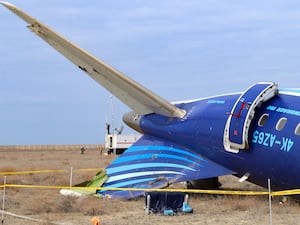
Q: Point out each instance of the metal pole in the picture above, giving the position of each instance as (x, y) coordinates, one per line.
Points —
(112, 114)
(3, 200)
(270, 201)
(113, 124)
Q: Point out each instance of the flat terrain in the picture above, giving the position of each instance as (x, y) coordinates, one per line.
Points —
(46, 206)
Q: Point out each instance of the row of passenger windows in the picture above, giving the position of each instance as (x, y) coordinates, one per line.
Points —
(279, 125)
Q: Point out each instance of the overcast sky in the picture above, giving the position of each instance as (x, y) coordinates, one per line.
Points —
(178, 49)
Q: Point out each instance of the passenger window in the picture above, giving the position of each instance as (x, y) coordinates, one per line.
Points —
(297, 129)
(263, 119)
(281, 123)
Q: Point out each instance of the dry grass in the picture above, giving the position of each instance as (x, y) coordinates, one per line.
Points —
(49, 205)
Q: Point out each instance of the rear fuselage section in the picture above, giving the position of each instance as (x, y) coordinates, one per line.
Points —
(273, 136)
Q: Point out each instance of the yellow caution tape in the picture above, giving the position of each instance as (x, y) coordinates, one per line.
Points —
(48, 171)
(32, 172)
(223, 192)
(286, 192)
(219, 192)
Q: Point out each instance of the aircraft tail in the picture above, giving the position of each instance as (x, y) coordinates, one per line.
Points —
(156, 163)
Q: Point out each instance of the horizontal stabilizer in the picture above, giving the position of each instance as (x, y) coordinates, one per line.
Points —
(155, 163)
(138, 98)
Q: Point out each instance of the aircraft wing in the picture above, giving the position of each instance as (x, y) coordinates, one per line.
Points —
(157, 163)
(137, 97)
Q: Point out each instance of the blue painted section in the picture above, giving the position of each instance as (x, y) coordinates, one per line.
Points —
(138, 166)
(203, 132)
(171, 151)
(196, 142)
(152, 155)
(157, 165)
(239, 113)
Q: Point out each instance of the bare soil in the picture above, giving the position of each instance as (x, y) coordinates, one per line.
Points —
(47, 206)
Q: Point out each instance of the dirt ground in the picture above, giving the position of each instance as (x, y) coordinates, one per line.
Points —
(47, 206)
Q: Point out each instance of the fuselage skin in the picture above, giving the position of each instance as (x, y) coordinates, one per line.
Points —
(272, 154)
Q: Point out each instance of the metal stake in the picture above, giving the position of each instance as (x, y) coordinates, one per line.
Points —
(71, 176)
(3, 200)
(270, 201)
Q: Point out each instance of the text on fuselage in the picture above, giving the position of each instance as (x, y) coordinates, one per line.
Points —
(271, 140)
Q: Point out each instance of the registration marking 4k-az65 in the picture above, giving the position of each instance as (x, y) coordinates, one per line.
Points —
(271, 140)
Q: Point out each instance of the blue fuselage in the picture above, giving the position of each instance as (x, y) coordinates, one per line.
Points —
(271, 153)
